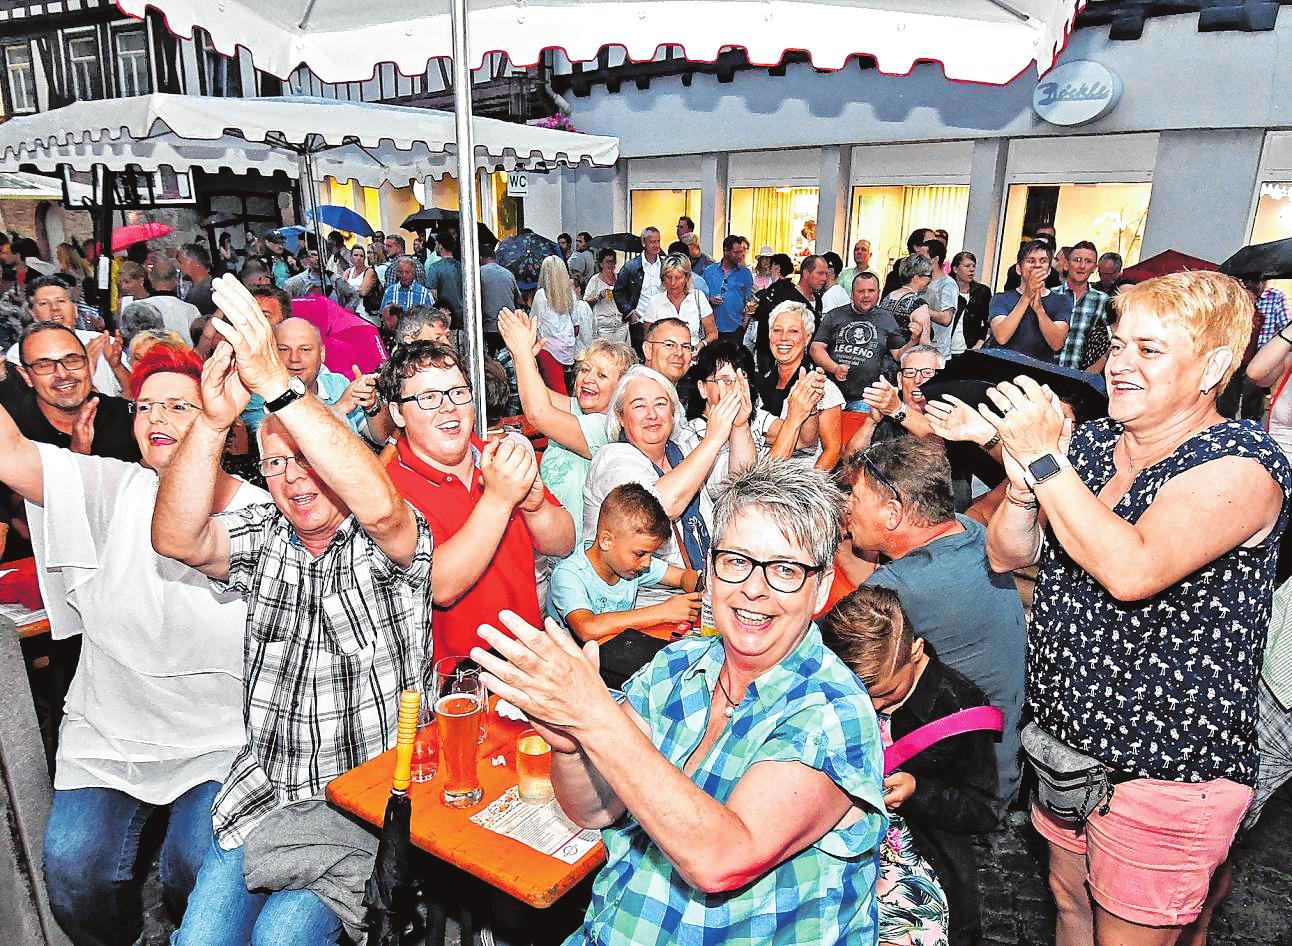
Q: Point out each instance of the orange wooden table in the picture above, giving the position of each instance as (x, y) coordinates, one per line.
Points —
(449, 833)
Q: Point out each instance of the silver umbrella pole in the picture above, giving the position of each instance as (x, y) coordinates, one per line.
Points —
(311, 199)
(472, 323)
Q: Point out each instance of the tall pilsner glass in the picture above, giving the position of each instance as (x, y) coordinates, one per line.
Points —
(459, 709)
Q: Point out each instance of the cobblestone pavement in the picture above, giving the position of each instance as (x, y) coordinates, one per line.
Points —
(1017, 910)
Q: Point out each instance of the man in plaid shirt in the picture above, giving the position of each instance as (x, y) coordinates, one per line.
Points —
(402, 289)
(1272, 304)
(1088, 337)
(338, 613)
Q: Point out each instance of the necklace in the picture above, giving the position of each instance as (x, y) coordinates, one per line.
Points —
(730, 711)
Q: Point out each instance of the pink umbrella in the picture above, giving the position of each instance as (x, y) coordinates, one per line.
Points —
(138, 233)
(348, 339)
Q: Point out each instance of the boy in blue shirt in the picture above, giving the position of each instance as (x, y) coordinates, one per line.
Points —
(592, 592)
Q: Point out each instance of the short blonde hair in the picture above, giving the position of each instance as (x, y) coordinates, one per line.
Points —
(619, 355)
(676, 261)
(788, 307)
(1214, 309)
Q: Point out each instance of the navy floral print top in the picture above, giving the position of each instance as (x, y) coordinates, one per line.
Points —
(1162, 688)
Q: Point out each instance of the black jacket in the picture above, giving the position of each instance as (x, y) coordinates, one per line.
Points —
(955, 790)
(783, 290)
(974, 314)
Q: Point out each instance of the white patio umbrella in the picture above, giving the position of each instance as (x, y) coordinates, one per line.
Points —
(975, 40)
(301, 136)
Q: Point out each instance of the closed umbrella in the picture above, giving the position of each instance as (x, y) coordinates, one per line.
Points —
(389, 896)
(341, 218)
(524, 254)
(619, 242)
(138, 233)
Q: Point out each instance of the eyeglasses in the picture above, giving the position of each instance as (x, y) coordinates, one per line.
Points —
(277, 466)
(881, 476)
(781, 575)
(723, 382)
(431, 400)
(73, 362)
(171, 405)
(672, 346)
(922, 373)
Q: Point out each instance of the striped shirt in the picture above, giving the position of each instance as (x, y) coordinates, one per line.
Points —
(809, 709)
(1273, 305)
(331, 642)
(1086, 329)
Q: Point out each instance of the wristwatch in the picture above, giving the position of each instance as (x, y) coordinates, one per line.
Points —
(899, 415)
(295, 391)
(1043, 468)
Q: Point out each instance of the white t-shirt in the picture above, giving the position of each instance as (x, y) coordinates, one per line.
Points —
(103, 380)
(694, 308)
(155, 707)
(835, 297)
(942, 294)
(557, 328)
(177, 315)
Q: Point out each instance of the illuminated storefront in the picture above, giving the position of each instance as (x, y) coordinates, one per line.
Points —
(660, 208)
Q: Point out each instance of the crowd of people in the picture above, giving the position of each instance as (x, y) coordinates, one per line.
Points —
(857, 541)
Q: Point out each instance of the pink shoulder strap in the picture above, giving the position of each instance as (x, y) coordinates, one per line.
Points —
(957, 724)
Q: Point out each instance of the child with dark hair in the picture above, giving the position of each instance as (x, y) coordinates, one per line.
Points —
(937, 799)
(593, 592)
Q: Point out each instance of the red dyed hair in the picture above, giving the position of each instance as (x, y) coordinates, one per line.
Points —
(165, 358)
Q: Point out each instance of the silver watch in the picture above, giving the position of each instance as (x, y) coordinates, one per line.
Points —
(899, 415)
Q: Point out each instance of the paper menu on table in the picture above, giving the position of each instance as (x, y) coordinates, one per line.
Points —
(542, 827)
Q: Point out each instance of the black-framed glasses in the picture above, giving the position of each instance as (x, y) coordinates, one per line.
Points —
(432, 400)
(73, 362)
(873, 469)
(277, 466)
(783, 575)
(172, 405)
(922, 373)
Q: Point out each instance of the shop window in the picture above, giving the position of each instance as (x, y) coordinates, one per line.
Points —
(1111, 216)
(661, 208)
(783, 218)
(886, 216)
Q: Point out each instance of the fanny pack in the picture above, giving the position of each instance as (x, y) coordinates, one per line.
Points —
(1069, 784)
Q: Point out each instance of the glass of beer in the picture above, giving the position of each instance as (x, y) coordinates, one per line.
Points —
(533, 767)
(426, 748)
(459, 709)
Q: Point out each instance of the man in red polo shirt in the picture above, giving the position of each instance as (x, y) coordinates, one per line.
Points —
(488, 510)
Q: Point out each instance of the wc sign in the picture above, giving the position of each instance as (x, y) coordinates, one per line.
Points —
(517, 183)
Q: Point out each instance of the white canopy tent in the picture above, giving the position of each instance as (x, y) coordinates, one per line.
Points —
(975, 40)
(371, 144)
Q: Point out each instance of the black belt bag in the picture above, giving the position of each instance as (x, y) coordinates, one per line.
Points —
(1069, 784)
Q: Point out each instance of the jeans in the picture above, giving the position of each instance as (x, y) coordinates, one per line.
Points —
(225, 913)
(91, 846)
(857, 405)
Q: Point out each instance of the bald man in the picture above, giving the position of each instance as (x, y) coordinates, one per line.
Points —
(301, 349)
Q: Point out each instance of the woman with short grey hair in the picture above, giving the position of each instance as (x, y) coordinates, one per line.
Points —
(715, 733)
(906, 303)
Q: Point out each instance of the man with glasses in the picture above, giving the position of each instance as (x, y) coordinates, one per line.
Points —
(49, 300)
(336, 577)
(486, 505)
(900, 505)
(58, 405)
(668, 348)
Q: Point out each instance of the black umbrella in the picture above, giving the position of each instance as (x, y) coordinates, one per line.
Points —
(439, 220)
(1261, 261)
(620, 242)
(969, 375)
(389, 895)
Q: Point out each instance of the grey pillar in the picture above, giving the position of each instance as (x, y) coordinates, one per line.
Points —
(986, 201)
(834, 201)
(1194, 209)
(713, 202)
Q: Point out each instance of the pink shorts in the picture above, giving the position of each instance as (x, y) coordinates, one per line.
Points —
(1150, 859)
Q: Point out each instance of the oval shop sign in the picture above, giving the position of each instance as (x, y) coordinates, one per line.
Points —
(1076, 93)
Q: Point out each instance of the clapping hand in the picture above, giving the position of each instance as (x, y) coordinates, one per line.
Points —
(746, 403)
(519, 332)
(509, 471)
(953, 419)
(882, 396)
(83, 427)
(806, 394)
(224, 396)
(722, 417)
(247, 330)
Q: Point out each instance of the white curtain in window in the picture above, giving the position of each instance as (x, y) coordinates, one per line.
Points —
(936, 207)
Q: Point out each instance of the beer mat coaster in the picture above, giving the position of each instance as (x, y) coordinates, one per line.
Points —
(542, 827)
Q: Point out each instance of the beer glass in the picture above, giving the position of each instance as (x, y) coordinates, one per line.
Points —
(533, 768)
(459, 711)
(426, 749)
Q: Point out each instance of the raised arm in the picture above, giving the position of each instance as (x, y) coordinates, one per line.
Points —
(339, 458)
(520, 334)
(1005, 324)
(20, 466)
(678, 486)
(183, 527)
(1268, 365)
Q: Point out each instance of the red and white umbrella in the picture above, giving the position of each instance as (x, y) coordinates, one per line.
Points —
(138, 233)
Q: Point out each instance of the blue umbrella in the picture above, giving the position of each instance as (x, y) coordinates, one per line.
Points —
(291, 237)
(524, 254)
(342, 218)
